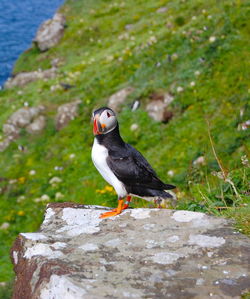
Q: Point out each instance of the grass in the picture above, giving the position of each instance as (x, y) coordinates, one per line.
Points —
(202, 47)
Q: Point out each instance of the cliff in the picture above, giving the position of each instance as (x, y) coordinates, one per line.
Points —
(143, 253)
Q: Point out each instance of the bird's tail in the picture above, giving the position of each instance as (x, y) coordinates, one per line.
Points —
(169, 187)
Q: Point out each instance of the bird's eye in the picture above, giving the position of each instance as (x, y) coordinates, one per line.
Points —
(108, 114)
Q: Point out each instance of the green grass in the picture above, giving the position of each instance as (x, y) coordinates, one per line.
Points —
(193, 41)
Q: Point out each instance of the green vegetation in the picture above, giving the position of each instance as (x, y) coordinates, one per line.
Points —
(196, 50)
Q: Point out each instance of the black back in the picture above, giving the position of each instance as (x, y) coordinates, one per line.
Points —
(131, 168)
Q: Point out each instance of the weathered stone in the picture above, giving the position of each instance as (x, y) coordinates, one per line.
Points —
(11, 130)
(50, 32)
(24, 116)
(24, 78)
(157, 110)
(4, 144)
(28, 118)
(66, 113)
(37, 125)
(118, 98)
(142, 253)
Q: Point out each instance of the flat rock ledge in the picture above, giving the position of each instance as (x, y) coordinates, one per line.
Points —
(142, 253)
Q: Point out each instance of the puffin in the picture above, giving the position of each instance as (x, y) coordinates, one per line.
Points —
(121, 165)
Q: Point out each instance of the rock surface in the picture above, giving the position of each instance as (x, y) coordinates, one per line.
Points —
(142, 253)
(30, 118)
(117, 99)
(24, 78)
(66, 113)
(50, 32)
(158, 107)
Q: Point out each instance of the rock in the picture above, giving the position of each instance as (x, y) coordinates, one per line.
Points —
(141, 253)
(11, 131)
(29, 118)
(50, 32)
(24, 116)
(157, 110)
(37, 125)
(118, 98)
(66, 113)
(4, 144)
(24, 78)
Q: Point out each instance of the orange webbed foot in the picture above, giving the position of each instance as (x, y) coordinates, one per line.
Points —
(118, 210)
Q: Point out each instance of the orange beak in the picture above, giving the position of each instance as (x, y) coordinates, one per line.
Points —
(96, 127)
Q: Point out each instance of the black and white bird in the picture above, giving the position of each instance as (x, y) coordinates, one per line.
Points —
(121, 165)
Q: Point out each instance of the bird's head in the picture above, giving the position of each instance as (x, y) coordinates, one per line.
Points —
(104, 121)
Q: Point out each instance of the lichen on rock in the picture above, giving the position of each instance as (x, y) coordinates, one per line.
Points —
(78, 255)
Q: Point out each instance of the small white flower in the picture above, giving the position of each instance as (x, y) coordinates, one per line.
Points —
(197, 73)
(25, 104)
(194, 18)
(110, 58)
(5, 225)
(11, 182)
(179, 89)
(21, 198)
(174, 56)
(45, 197)
(199, 161)
(32, 172)
(72, 156)
(20, 92)
(134, 127)
(212, 39)
(171, 173)
(38, 199)
(59, 195)
(244, 160)
(209, 17)
(152, 40)
(55, 180)
(192, 84)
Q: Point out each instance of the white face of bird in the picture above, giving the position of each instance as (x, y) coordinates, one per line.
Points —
(104, 121)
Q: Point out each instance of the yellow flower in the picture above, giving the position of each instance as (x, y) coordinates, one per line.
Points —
(100, 191)
(20, 213)
(21, 180)
(109, 188)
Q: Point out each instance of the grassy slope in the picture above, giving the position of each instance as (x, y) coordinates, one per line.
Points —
(99, 59)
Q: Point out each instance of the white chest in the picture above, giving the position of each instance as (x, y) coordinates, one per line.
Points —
(99, 158)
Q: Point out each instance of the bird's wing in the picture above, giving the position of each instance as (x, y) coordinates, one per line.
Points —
(132, 168)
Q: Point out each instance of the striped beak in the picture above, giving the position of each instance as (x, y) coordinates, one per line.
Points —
(96, 128)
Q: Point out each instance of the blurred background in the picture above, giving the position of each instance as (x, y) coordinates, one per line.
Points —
(177, 74)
